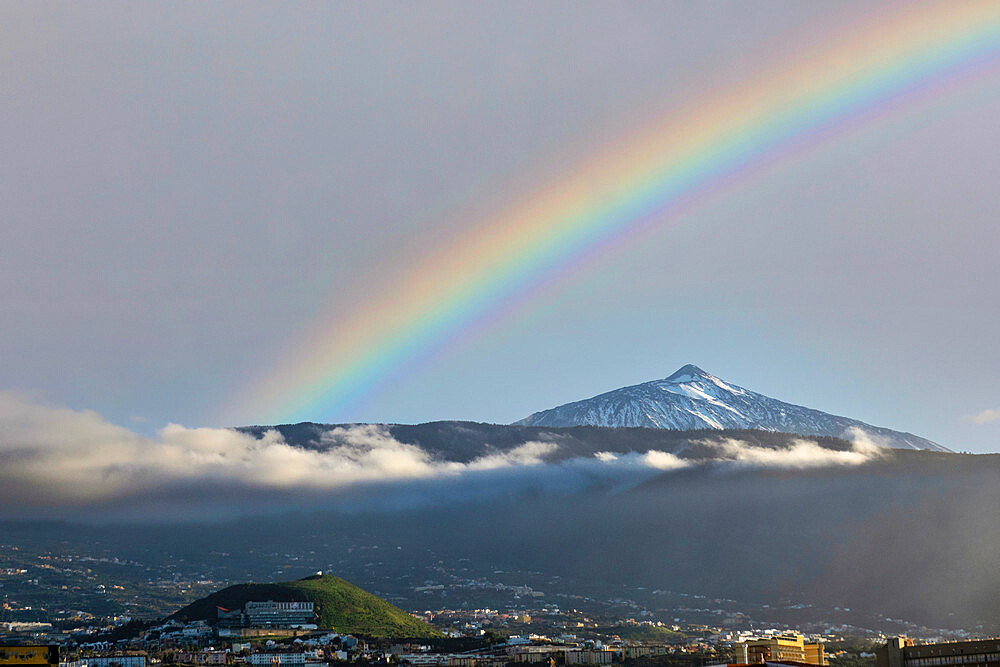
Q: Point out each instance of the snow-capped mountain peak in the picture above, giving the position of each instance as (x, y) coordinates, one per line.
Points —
(687, 373)
(691, 398)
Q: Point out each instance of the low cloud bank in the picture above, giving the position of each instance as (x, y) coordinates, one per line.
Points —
(802, 453)
(986, 416)
(54, 457)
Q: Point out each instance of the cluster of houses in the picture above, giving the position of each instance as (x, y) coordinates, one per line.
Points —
(528, 649)
(284, 634)
(198, 643)
(269, 634)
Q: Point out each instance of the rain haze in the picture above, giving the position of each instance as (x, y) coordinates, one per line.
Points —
(187, 188)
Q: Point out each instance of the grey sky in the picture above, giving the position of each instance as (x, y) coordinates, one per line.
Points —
(184, 185)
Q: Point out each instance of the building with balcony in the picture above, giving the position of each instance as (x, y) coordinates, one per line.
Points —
(780, 648)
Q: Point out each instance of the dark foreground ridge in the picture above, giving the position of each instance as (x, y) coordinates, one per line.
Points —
(340, 606)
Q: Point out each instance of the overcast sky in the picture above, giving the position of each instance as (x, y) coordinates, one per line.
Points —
(183, 186)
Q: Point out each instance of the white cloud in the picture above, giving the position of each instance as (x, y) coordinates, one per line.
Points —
(528, 454)
(664, 460)
(802, 453)
(865, 442)
(986, 416)
(57, 455)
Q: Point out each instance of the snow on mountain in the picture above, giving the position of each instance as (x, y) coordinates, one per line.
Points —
(693, 399)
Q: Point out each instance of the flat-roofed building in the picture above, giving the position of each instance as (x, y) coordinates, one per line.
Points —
(815, 653)
(590, 657)
(109, 661)
(902, 652)
(272, 614)
(278, 659)
(781, 648)
(269, 614)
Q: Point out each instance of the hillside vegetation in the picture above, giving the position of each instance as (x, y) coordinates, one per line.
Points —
(340, 606)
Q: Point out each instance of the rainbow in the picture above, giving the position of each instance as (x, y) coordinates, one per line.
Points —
(714, 143)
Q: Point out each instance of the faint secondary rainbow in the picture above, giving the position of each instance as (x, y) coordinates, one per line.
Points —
(646, 180)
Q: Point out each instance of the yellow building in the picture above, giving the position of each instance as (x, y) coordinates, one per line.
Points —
(784, 648)
(815, 654)
(29, 655)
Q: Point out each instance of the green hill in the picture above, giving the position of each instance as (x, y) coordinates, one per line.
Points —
(340, 606)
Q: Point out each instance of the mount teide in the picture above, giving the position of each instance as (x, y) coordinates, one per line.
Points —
(693, 399)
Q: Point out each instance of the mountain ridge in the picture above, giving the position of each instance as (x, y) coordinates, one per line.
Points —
(691, 399)
(464, 441)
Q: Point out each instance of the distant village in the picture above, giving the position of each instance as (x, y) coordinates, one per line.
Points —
(538, 631)
(285, 634)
